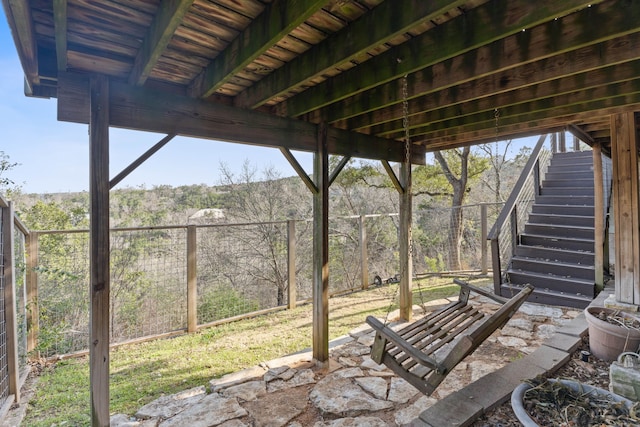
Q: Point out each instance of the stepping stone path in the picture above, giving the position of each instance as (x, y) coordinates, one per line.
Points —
(352, 391)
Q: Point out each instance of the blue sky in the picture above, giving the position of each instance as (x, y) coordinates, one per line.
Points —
(54, 156)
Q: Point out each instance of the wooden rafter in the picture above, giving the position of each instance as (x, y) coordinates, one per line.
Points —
(18, 14)
(385, 22)
(580, 102)
(169, 17)
(482, 25)
(472, 82)
(546, 93)
(60, 25)
(277, 20)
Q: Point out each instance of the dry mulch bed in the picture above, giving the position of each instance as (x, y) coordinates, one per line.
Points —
(595, 372)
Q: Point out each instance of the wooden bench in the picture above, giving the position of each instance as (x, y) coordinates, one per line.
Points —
(425, 351)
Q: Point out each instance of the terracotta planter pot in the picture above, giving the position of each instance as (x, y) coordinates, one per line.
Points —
(607, 341)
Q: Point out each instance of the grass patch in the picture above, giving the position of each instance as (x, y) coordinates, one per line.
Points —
(140, 373)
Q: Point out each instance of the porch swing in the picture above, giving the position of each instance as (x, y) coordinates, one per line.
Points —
(425, 351)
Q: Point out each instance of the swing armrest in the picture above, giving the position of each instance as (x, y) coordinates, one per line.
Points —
(481, 291)
(402, 344)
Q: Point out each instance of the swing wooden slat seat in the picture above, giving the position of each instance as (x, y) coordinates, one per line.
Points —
(425, 351)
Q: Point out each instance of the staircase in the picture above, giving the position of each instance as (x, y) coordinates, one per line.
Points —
(555, 252)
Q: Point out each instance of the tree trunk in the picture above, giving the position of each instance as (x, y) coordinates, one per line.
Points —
(459, 185)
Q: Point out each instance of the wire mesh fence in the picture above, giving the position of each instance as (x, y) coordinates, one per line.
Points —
(4, 367)
(240, 269)
(521, 206)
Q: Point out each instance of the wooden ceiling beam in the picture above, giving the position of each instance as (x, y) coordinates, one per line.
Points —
(144, 109)
(486, 106)
(170, 15)
(578, 112)
(616, 95)
(522, 130)
(385, 22)
(18, 13)
(276, 21)
(596, 126)
(60, 28)
(466, 83)
(477, 27)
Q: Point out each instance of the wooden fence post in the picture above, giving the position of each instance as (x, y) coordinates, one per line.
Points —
(291, 263)
(33, 311)
(8, 253)
(364, 257)
(192, 279)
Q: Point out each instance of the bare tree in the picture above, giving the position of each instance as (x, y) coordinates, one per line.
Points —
(498, 160)
(458, 180)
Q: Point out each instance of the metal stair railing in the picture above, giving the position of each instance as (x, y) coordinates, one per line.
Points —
(504, 234)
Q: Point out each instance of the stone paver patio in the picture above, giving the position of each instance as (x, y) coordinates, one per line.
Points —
(352, 391)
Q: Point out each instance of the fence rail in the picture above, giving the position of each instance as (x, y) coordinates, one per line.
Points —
(175, 279)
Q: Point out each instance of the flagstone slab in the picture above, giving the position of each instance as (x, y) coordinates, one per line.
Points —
(353, 422)
(248, 391)
(168, 406)
(406, 415)
(276, 412)
(377, 386)
(341, 397)
(301, 377)
(400, 391)
(211, 411)
(235, 378)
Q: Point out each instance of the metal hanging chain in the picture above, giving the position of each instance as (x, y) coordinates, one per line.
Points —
(405, 120)
(496, 115)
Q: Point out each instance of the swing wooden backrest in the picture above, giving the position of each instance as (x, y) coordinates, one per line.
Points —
(425, 351)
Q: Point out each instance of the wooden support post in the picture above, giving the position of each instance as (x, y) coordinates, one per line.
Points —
(562, 142)
(406, 264)
(99, 249)
(10, 314)
(364, 254)
(291, 264)
(484, 268)
(33, 311)
(576, 143)
(192, 279)
(624, 155)
(321, 249)
(598, 216)
(554, 143)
